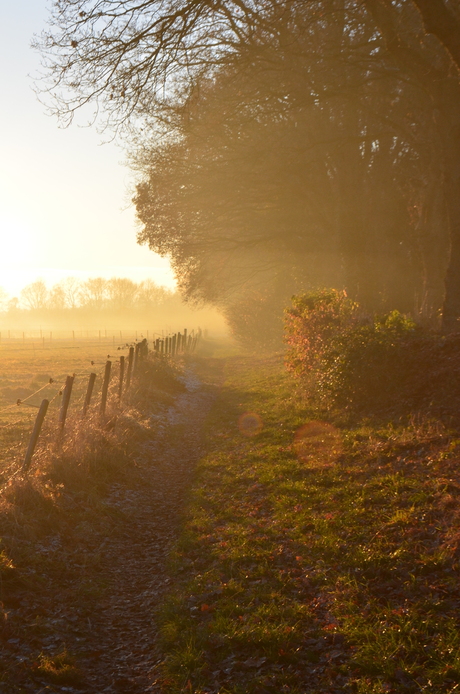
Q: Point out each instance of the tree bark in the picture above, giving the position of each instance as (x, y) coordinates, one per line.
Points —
(439, 21)
(449, 126)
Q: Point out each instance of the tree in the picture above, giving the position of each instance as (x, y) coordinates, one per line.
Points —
(121, 293)
(429, 64)
(443, 21)
(71, 288)
(57, 298)
(150, 294)
(361, 74)
(129, 58)
(94, 293)
(35, 295)
(266, 182)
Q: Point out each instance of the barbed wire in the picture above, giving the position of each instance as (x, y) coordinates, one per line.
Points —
(23, 400)
(59, 392)
(78, 397)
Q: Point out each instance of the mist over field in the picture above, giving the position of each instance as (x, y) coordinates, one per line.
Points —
(98, 304)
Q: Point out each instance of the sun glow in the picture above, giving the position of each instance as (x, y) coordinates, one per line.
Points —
(18, 253)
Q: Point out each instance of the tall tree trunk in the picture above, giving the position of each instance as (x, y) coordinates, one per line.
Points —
(444, 88)
(449, 124)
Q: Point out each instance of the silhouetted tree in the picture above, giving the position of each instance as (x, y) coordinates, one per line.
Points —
(94, 293)
(372, 88)
(71, 288)
(150, 294)
(121, 293)
(35, 295)
(266, 181)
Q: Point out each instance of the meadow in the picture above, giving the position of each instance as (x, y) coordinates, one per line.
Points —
(318, 554)
(35, 365)
(313, 551)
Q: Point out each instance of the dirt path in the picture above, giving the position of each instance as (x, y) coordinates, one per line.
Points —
(111, 632)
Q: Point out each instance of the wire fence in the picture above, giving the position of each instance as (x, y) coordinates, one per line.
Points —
(38, 339)
(101, 383)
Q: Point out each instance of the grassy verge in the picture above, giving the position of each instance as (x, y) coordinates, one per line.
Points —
(53, 522)
(314, 558)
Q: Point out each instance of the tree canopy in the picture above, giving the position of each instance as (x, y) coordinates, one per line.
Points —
(281, 143)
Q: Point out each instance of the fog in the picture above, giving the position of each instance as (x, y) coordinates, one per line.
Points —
(100, 306)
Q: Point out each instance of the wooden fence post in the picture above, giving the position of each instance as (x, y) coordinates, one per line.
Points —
(130, 367)
(65, 401)
(89, 392)
(137, 357)
(35, 434)
(143, 351)
(122, 373)
(105, 386)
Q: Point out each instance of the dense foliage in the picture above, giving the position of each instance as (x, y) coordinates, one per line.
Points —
(311, 139)
(344, 355)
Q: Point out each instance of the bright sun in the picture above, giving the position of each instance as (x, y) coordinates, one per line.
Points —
(18, 252)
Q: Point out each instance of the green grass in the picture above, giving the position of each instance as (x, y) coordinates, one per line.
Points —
(314, 558)
(317, 555)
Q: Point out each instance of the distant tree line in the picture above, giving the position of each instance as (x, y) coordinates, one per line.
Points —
(95, 295)
(281, 144)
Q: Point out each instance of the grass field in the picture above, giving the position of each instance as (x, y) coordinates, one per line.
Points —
(315, 559)
(316, 556)
(28, 366)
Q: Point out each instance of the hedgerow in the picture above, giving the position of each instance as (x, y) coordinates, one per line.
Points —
(345, 356)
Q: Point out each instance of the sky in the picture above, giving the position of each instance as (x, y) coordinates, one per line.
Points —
(64, 196)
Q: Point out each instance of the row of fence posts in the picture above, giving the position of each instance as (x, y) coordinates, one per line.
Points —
(170, 346)
(177, 343)
(186, 345)
(67, 392)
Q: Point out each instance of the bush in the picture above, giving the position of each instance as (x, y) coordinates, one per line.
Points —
(347, 357)
(370, 363)
(315, 322)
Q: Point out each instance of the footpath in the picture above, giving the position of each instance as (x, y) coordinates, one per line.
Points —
(87, 625)
(242, 539)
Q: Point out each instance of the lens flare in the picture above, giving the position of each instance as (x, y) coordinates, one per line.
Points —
(250, 424)
(318, 442)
